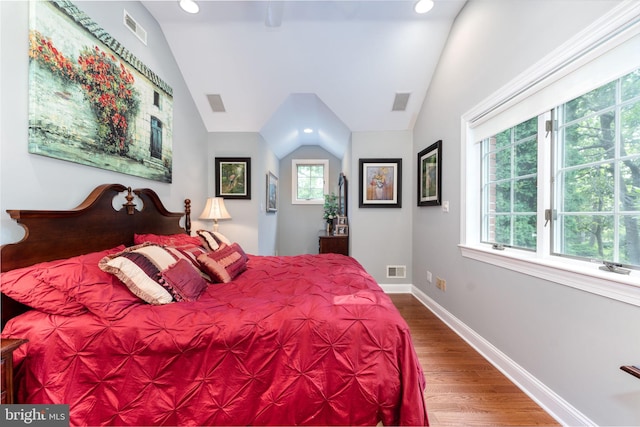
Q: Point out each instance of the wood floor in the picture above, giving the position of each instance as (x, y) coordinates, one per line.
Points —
(463, 389)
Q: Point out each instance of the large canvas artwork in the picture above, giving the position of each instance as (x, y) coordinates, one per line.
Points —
(91, 101)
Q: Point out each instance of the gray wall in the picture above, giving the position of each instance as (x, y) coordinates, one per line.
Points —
(298, 225)
(382, 236)
(29, 181)
(572, 341)
(250, 225)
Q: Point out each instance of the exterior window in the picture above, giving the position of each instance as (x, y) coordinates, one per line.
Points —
(309, 180)
(595, 184)
(597, 174)
(551, 166)
(510, 182)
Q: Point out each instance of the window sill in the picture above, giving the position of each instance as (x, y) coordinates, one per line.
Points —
(576, 274)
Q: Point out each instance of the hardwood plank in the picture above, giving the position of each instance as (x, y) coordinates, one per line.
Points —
(462, 387)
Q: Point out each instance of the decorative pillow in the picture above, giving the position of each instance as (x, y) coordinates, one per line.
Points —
(183, 282)
(24, 286)
(170, 240)
(140, 269)
(225, 264)
(189, 253)
(44, 287)
(212, 239)
(100, 292)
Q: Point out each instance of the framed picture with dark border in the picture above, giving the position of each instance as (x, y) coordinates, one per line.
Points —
(380, 183)
(233, 177)
(430, 175)
(272, 192)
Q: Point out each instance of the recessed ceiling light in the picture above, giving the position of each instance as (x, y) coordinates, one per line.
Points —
(308, 130)
(423, 6)
(189, 6)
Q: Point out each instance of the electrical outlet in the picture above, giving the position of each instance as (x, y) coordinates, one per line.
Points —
(441, 284)
(429, 277)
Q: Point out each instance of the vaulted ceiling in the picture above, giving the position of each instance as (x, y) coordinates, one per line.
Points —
(279, 67)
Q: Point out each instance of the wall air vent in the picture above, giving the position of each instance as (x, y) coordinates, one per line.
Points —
(400, 102)
(396, 271)
(215, 101)
(135, 28)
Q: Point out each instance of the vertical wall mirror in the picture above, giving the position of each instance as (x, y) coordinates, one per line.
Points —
(342, 195)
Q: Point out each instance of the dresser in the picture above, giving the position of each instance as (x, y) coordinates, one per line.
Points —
(8, 347)
(330, 243)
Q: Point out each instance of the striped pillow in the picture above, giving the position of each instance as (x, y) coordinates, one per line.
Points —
(224, 264)
(212, 239)
(140, 269)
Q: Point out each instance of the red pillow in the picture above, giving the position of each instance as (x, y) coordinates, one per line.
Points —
(183, 282)
(225, 264)
(98, 291)
(46, 286)
(189, 253)
(24, 286)
(172, 239)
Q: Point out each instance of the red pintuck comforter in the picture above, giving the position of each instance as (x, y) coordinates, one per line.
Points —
(309, 339)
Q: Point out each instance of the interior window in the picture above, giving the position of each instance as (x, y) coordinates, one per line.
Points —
(309, 180)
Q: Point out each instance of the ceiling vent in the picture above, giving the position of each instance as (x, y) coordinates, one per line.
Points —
(274, 14)
(400, 102)
(396, 271)
(135, 28)
(215, 101)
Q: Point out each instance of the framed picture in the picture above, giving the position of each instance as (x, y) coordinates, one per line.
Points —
(233, 177)
(380, 183)
(272, 192)
(341, 220)
(341, 230)
(430, 175)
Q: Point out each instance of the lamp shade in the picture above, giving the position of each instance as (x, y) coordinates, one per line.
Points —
(215, 209)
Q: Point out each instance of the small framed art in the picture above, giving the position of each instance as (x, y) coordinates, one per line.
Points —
(341, 230)
(341, 220)
(233, 177)
(272, 192)
(430, 175)
(380, 183)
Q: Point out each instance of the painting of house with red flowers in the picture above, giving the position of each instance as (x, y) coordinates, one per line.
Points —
(91, 101)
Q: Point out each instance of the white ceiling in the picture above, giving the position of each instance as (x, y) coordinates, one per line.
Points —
(334, 66)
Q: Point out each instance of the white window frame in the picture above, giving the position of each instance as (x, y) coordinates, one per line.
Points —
(607, 49)
(294, 180)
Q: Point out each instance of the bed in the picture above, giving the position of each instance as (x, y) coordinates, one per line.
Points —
(298, 340)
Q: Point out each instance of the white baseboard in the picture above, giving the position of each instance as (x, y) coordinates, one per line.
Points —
(405, 288)
(553, 404)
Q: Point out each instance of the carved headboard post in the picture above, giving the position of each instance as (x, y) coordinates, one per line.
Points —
(131, 207)
(187, 219)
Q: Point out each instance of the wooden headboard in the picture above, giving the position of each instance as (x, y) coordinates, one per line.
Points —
(92, 226)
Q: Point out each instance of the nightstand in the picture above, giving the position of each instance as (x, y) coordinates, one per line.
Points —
(331, 243)
(8, 347)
